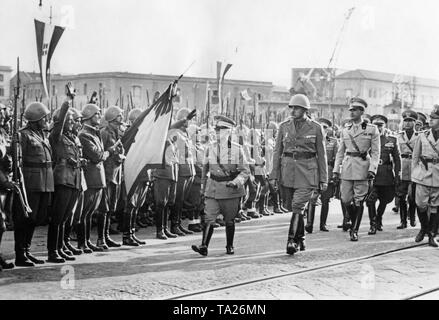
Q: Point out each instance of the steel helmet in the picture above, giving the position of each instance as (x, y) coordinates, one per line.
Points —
(89, 111)
(182, 114)
(55, 116)
(133, 114)
(2, 106)
(112, 113)
(35, 111)
(300, 100)
(76, 113)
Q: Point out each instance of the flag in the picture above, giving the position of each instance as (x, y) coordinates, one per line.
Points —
(47, 39)
(145, 140)
(245, 95)
(220, 90)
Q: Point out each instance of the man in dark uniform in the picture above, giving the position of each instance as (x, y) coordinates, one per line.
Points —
(113, 175)
(300, 166)
(331, 151)
(356, 163)
(406, 189)
(93, 151)
(67, 179)
(228, 171)
(388, 175)
(38, 176)
(5, 184)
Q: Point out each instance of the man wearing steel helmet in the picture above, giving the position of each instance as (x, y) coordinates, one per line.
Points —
(300, 166)
(37, 176)
(425, 173)
(113, 175)
(388, 175)
(357, 162)
(94, 152)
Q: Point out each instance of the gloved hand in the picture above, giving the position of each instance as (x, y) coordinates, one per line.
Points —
(336, 177)
(323, 186)
(105, 155)
(232, 184)
(192, 114)
(370, 175)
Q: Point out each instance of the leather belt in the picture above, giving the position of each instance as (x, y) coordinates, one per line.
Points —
(406, 156)
(69, 164)
(434, 161)
(300, 155)
(46, 164)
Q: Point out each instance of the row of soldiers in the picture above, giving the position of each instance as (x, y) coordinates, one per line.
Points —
(76, 172)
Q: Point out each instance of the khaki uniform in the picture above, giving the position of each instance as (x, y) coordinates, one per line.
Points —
(300, 165)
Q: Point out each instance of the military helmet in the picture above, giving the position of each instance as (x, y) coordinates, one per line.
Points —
(76, 113)
(55, 115)
(325, 121)
(435, 112)
(89, 111)
(112, 113)
(300, 100)
(182, 114)
(133, 114)
(35, 111)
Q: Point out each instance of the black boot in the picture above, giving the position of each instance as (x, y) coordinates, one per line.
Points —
(101, 223)
(230, 234)
(356, 216)
(293, 242)
(133, 235)
(65, 254)
(68, 245)
(423, 219)
(82, 241)
(127, 239)
(324, 216)
(310, 214)
(412, 214)
(109, 242)
(54, 257)
(30, 229)
(372, 219)
(207, 235)
(432, 226)
(159, 224)
(3, 264)
(167, 233)
(276, 203)
(403, 214)
(19, 238)
(346, 224)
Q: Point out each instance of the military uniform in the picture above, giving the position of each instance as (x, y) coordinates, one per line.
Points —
(357, 158)
(388, 175)
(406, 189)
(225, 172)
(93, 151)
(300, 167)
(425, 173)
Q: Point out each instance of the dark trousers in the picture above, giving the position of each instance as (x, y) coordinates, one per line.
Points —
(133, 205)
(383, 194)
(164, 196)
(194, 200)
(61, 214)
(107, 207)
(92, 199)
(183, 186)
(262, 188)
(252, 193)
(406, 194)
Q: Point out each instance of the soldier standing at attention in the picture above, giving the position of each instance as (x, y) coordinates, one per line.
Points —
(425, 173)
(406, 190)
(388, 175)
(93, 151)
(223, 188)
(358, 155)
(331, 151)
(37, 175)
(299, 165)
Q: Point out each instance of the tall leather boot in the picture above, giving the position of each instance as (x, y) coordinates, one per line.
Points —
(293, 243)
(205, 240)
(169, 234)
(175, 222)
(101, 226)
(110, 242)
(260, 207)
(403, 214)
(412, 213)
(310, 214)
(82, 239)
(127, 238)
(133, 227)
(324, 216)
(432, 226)
(230, 234)
(380, 212)
(372, 219)
(68, 245)
(346, 224)
(356, 222)
(423, 219)
(88, 222)
(65, 254)
(159, 224)
(276, 203)
(19, 238)
(271, 213)
(30, 229)
(3, 264)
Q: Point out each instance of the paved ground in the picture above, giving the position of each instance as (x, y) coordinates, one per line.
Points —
(164, 269)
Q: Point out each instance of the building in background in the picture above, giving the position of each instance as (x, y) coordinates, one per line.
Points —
(5, 80)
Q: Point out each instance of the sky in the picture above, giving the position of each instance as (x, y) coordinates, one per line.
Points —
(263, 39)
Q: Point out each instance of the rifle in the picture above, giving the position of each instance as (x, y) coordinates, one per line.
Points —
(19, 190)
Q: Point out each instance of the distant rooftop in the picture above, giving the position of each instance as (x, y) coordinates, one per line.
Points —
(5, 68)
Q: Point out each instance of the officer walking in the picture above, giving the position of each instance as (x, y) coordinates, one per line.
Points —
(406, 189)
(93, 151)
(225, 172)
(388, 175)
(299, 165)
(38, 177)
(331, 151)
(425, 173)
(358, 156)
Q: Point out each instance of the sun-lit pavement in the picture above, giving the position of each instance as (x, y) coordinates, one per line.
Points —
(163, 269)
